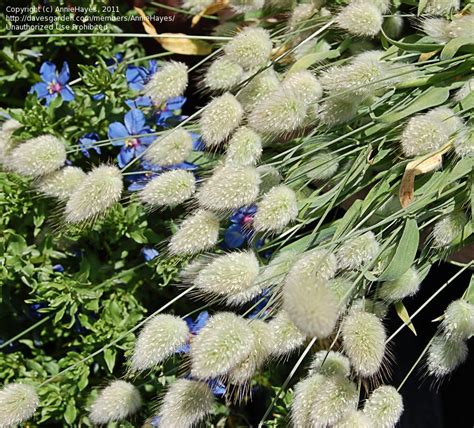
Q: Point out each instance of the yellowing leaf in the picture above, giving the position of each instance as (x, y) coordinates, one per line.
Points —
(184, 46)
(417, 167)
(425, 56)
(403, 314)
(179, 45)
(209, 10)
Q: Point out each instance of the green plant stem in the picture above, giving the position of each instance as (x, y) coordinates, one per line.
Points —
(37, 324)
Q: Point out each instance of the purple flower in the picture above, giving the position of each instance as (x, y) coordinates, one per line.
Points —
(126, 135)
(87, 142)
(138, 76)
(240, 230)
(149, 253)
(53, 83)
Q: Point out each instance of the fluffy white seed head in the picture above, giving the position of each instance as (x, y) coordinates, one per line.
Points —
(300, 15)
(465, 90)
(196, 6)
(281, 112)
(393, 26)
(445, 355)
(158, 340)
(360, 18)
(461, 26)
(168, 189)
(436, 28)
(250, 48)
(276, 210)
(258, 89)
(330, 364)
(321, 167)
(230, 187)
(171, 148)
(219, 119)
(376, 307)
(223, 74)
(384, 406)
(198, 232)
(245, 147)
(38, 156)
(311, 305)
(360, 78)
(314, 265)
(357, 252)
(364, 342)
(60, 184)
(286, 336)
(99, 191)
(458, 322)
(115, 402)
(262, 348)
(337, 110)
(342, 288)
(354, 419)
(448, 228)
(430, 131)
(185, 404)
(169, 81)
(337, 397)
(243, 6)
(6, 140)
(464, 143)
(305, 85)
(231, 277)
(441, 7)
(305, 394)
(224, 342)
(269, 177)
(404, 286)
(275, 272)
(18, 402)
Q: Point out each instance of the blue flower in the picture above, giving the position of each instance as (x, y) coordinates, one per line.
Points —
(125, 135)
(58, 268)
(194, 327)
(217, 387)
(240, 230)
(142, 101)
(149, 253)
(87, 142)
(53, 83)
(170, 114)
(261, 301)
(138, 76)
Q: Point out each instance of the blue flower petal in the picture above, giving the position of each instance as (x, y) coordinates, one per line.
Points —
(183, 349)
(98, 97)
(149, 253)
(146, 139)
(188, 166)
(125, 156)
(41, 89)
(64, 75)
(201, 321)
(134, 76)
(67, 93)
(48, 72)
(50, 97)
(175, 103)
(138, 185)
(58, 268)
(118, 130)
(134, 121)
(217, 387)
(234, 236)
(152, 67)
(198, 144)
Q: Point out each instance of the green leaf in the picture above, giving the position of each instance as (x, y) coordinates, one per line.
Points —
(421, 6)
(412, 47)
(71, 412)
(430, 98)
(109, 357)
(469, 297)
(309, 59)
(404, 316)
(404, 254)
(350, 217)
(454, 45)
